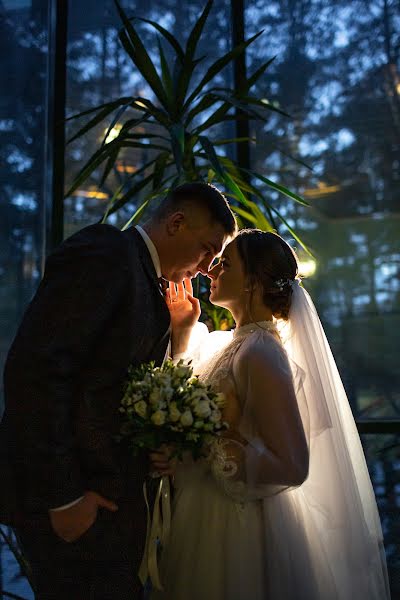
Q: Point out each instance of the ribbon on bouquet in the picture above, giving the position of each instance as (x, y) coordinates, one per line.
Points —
(158, 529)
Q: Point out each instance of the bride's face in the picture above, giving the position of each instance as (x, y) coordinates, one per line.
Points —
(228, 279)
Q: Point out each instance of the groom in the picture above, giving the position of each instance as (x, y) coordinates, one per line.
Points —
(77, 502)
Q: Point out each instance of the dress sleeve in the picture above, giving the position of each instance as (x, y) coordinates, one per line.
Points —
(203, 347)
(265, 450)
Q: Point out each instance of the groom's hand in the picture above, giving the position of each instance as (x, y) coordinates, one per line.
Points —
(185, 311)
(70, 523)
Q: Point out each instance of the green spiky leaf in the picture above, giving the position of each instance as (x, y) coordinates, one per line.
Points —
(170, 38)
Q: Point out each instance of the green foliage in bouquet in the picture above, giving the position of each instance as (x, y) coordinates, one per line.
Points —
(186, 106)
(168, 405)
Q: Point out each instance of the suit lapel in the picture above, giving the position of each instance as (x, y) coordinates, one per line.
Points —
(145, 258)
(144, 254)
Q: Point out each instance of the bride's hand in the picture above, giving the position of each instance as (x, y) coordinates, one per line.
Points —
(185, 311)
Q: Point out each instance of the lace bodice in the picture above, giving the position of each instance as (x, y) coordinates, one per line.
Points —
(217, 369)
(264, 451)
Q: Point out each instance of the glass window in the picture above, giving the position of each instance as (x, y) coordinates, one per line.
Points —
(23, 84)
(340, 150)
(383, 458)
(23, 81)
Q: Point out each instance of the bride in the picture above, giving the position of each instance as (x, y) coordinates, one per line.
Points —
(282, 507)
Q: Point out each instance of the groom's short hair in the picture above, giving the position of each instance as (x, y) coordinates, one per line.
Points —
(202, 195)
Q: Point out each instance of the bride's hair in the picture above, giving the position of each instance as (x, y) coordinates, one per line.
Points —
(270, 262)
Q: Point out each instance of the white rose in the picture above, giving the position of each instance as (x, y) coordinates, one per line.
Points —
(202, 409)
(215, 416)
(187, 418)
(183, 371)
(174, 412)
(141, 408)
(220, 399)
(168, 392)
(158, 418)
(155, 397)
(198, 394)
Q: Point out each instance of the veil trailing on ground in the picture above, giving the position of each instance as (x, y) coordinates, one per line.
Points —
(336, 505)
(323, 538)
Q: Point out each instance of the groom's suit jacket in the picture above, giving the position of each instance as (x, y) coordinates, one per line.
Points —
(98, 310)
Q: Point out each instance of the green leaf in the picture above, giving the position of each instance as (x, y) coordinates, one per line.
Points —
(206, 102)
(136, 215)
(113, 157)
(244, 213)
(278, 187)
(240, 105)
(235, 189)
(115, 103)
(220, 64)
(138, 53)
(217, 117)
(262, 221)
(170, 38)
(182, 76)
(217, 165)
(212, 155)
(143, 145)
(292, 232)
(109, 165)
(210, 175)
(189, 63)
(159, 169)
(132, 123)
(94, 161)
(249, 188)
(106, 110)
(196, 32)
(117, 193)
(146, 105)
(115, 120)
(297, 160)
(237, 140)
(257, 74)
(145, 135)
(130, 193)
(139, 212)
(166, 75)
(264, 104)
(178, 144)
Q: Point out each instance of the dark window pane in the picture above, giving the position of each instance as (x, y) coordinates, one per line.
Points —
(341, 85)
(23, 102)
(23, 81)
(383, 457)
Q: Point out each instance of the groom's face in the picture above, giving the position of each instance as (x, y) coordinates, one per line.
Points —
(195, 241)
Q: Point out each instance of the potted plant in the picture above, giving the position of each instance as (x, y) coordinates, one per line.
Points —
(185, 107)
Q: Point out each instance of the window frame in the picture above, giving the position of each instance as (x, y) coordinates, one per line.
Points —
(55, 141)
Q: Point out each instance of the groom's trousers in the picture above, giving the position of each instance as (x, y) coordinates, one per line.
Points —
(101, 565)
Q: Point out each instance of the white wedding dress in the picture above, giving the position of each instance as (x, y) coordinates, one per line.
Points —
(239, 531)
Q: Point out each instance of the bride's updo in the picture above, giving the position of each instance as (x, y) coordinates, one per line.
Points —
(270, 262)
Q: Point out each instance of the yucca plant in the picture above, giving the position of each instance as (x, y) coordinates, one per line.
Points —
(181, 116)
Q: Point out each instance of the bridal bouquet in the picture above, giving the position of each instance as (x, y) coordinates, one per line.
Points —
(168, 405)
